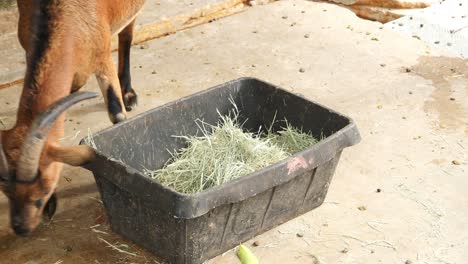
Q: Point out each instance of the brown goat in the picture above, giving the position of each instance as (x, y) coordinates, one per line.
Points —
(65, 42)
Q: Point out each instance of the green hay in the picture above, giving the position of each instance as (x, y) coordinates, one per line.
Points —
(224, 153)
(291, 139)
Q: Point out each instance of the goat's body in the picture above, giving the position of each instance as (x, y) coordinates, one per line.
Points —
(66, 41)
(81, 30)
(90, 21)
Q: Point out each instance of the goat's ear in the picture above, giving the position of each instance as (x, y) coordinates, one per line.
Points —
(3, 185)
(74, 156)
(50, 207)
(4, 171)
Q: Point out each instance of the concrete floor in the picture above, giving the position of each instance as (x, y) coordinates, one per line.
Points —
(397, 90)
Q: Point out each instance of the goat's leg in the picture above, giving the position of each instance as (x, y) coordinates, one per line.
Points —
(79, 80)
(125, 44)
(110, 88)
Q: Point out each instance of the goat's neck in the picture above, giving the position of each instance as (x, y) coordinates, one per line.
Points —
(48, 78)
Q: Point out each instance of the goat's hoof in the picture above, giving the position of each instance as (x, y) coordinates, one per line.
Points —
(117, 118)
(130, 99)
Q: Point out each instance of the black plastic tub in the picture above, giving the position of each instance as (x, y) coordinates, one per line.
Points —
(182, 228)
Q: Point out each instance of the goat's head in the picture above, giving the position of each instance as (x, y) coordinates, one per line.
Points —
(30, 166)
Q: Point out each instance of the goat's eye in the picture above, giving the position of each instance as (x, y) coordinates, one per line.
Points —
(38, 203)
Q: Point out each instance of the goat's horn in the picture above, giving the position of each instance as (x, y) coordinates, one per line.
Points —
(3, 162)
(28, 163)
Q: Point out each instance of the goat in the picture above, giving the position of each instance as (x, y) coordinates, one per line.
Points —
(65, 42)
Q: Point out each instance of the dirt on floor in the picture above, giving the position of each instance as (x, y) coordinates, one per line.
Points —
(78, 234)
(397, 197)
(8, 21)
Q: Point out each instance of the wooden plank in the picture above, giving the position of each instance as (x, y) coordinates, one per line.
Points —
(198, 17)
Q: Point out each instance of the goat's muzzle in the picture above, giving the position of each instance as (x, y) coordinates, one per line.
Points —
(19, 227)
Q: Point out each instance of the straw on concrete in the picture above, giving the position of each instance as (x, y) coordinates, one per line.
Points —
(116, 247)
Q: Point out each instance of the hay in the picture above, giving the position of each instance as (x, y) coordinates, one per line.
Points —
(291, 139)
(118, 247)
(225, 152)
(89, 140)
(217, 157)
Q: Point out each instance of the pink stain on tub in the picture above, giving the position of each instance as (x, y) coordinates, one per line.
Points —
(296, 164)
